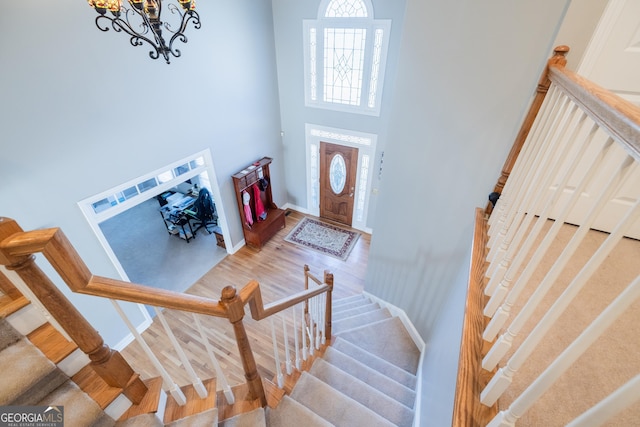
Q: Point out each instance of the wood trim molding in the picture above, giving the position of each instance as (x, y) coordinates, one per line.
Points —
(467, 409)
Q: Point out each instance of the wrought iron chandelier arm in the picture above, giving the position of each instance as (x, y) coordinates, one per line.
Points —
(189, 16)
(149, 12)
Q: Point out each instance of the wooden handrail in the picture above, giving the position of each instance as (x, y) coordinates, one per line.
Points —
(558, 60)
(619, 117)
(471, 379)
(107, 363)
(16, 252)
(252, 295)
(57, 249)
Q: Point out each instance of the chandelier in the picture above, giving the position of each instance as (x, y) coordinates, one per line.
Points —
(145, 15)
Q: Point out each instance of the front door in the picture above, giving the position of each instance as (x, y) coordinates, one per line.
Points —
(338, 167)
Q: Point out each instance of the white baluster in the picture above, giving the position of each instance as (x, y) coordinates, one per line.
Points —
(521, 179)
(501, 315)
(296, 342)
(539, 167)
(195, 380)
(317, 304)
(504, 343)
(541, 384)
(287, 356)
(541, 201)
(498, 383)
(499, 216)
(323, 319)
(303, 333)
(610, 406)
(168, 382)
(276, 355)
(220, 377)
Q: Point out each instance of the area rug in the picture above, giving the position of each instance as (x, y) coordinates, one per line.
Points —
(323, 237)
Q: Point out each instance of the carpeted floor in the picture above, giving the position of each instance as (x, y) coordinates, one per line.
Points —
(151, 256)
(609, 362)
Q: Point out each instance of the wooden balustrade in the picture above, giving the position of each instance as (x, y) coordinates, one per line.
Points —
(107, 363)
(16, 253)
(558, 59)
(575, 110)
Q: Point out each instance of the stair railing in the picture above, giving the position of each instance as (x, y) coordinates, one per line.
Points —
(583, 140)
(17, 249)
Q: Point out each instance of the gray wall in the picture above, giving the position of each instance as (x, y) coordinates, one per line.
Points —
(288, 16)
(466, 73)
(82, 111)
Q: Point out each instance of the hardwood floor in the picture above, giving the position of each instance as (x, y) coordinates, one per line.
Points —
(278, 267)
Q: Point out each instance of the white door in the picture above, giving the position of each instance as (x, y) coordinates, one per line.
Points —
(612, 60)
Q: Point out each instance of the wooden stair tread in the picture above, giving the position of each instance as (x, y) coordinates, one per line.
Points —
(52, 343)
(149, 403)
(8, 306)
(7, 287)
(243, 403)
(273, 393)
(96, 387)
(194, 405)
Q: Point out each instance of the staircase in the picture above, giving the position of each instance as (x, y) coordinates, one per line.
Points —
(365, 378)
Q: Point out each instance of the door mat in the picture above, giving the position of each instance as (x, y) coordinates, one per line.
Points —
(323, 237)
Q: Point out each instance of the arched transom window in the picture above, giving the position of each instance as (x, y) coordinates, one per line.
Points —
(345, 54)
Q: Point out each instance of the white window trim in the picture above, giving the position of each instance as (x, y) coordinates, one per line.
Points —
(366, 145)
(371, 26)
(94, 219)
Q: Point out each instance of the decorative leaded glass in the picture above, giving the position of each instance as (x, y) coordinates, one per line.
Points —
(343, 64)
(346, 9)
(337, 173)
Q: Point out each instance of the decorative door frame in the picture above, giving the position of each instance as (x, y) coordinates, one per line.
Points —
(366, 144)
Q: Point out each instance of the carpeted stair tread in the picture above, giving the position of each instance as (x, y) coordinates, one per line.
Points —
(8, 335)
(289, 413)
(145, 420)
(333, 406)
(346, 300)
(79, 409)
(344, 325)
(389, 340)
(363, 393)
(351, 304)
(253, 418)
(355, 311)
(31, 377)
(206, 418)
(371, 377)
(380, 365)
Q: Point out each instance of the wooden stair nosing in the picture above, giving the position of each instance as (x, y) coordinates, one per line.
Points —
(92, 384)
(243, 403)
(150, 401)
(195, 404)
(8, 306)
(52, 343)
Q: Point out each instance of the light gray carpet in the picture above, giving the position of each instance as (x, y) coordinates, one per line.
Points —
(349, 385)
(151, 256)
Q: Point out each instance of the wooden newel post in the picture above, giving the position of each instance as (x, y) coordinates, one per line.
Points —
(559, 59)
(107, 363)
(235, 312)
(328, 279)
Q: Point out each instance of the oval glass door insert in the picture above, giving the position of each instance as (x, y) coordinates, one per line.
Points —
(337, 173)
